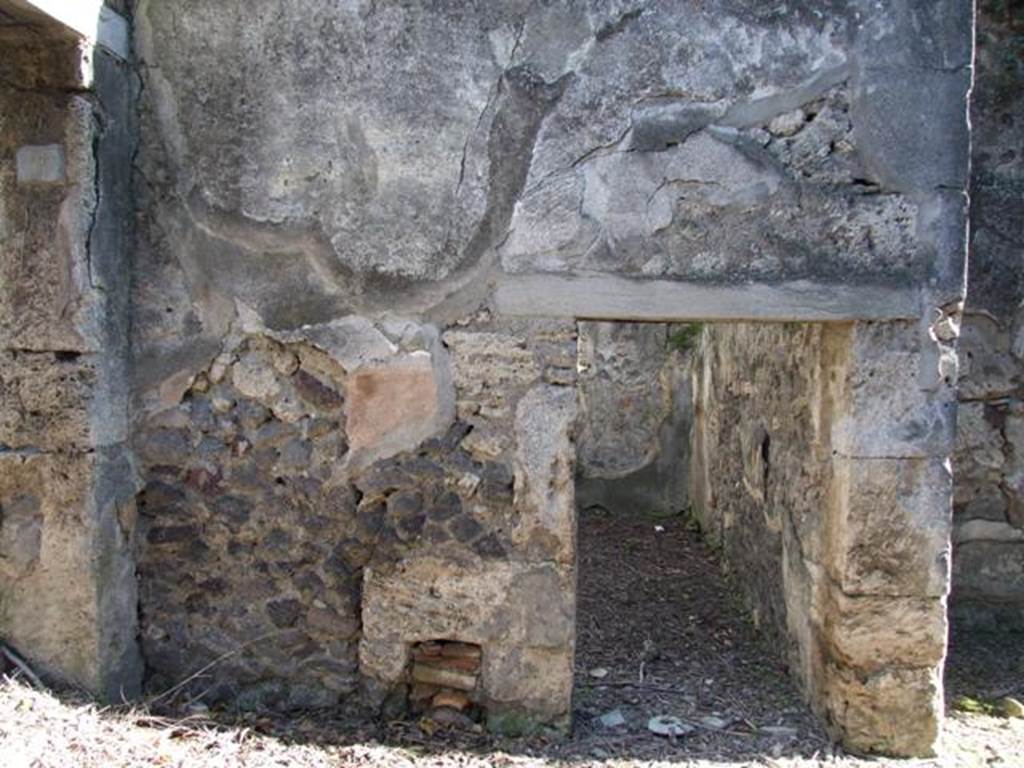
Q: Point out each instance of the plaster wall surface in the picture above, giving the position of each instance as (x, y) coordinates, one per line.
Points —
(362, 156)
(333, 166)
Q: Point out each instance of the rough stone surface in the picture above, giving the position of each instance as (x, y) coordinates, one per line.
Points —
(67, 579)
(494, 366)
(248, 535)
(327, 205)
(871, 709)
(259, 529)
(890, 534)
(898, 400)
(493, 564)
(761, 469)
(874, 632)
(255, 525)
(987, 571)
(520, 613)
(45, 297)
(844, 558)
(47, 608)
(544, 463)
(988, 560)
(45, 400)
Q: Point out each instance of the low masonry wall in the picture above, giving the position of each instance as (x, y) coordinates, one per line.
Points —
(319, 502)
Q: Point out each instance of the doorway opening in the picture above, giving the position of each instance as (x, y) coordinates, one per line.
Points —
(671, 654)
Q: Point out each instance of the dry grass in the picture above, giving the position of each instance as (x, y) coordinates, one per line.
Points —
(39, 730)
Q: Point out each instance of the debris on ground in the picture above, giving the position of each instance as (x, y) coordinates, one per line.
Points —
(1010, 707)
(665, 725)
(778, 730)
(671, 636)
(714, 723)
(612, 719)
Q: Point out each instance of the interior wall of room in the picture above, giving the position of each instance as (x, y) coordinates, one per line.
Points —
(633, 435)
(988, 560)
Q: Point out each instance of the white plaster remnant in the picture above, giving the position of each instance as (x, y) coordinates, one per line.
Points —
(40, 164)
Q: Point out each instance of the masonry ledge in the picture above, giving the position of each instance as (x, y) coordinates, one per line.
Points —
(90, 20)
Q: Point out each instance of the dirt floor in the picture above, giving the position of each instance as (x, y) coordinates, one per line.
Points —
(657, 616)
(985, 665)
(651, 593)
(660, 634)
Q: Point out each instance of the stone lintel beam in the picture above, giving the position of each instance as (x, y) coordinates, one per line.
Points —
(90, 20)
(608, 297)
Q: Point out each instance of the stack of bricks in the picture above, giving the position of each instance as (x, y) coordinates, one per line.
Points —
(444, 676)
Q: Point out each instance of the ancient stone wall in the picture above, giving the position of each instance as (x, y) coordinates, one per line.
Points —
(350, 456)
(67, 581)
(349, 164)
(762, 457)
(319, 501)
(988, 561)
(636, 406)
(820, 472)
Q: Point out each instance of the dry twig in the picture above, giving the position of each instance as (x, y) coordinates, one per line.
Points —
(207, 667)
(12, 657)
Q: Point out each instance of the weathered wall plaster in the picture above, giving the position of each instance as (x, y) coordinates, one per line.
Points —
(333, 199)
(582, 138)
(610, 148)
